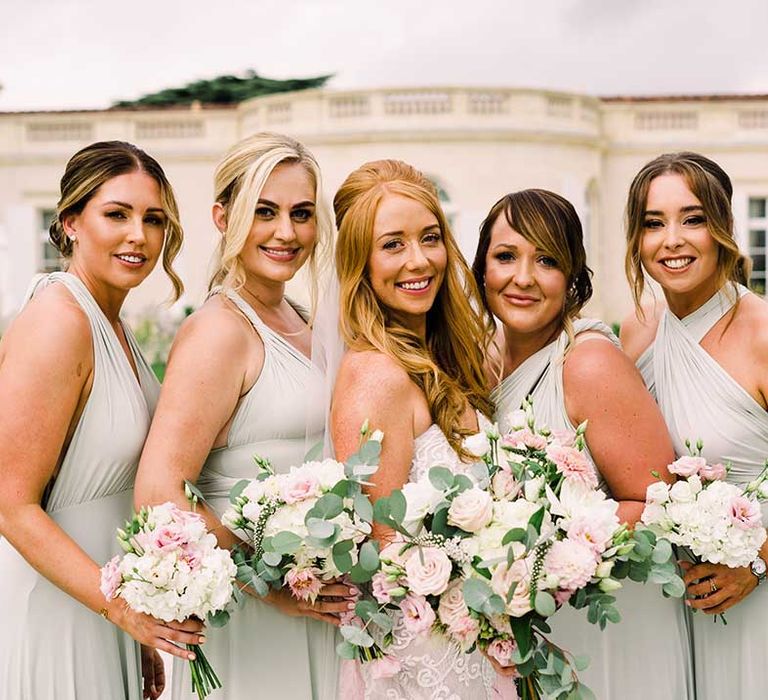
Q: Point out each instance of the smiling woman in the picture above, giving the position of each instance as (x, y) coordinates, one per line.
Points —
(67, 464)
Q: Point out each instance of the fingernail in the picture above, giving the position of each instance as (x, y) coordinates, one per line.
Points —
(201, 639)
(191, 657)
(350, 606)
(353, 590)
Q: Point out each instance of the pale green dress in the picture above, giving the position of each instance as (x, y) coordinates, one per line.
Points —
(646, 655)
(262, 653)
(700, 400)
(52, 647)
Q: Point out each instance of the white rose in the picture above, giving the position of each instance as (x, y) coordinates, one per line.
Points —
(478, 444)
(471, 510)
(681, 492)
(657, 492)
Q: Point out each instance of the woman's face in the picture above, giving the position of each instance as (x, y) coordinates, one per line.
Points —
(677, 249)
(120, 232)
(284, 228)
(524, 286)
(406, 266)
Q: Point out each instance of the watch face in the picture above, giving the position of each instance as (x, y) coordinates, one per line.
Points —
(759, 567)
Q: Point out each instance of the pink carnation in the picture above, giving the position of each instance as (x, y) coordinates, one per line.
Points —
(713, 472)
(384, 667)
(687, 466)
(562, 597)
(523, 438)
(381, 587)
(502, 650)
(573, 464)
(566, 438)
(418, 615)
(304, 583)
(111, 578)
(298, 486)
(572, 563)
(465, 631)
(745, 513)
(590, 534)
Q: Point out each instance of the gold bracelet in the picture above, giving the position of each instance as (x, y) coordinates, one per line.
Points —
(104, 613)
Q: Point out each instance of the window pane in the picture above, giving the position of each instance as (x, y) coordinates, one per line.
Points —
(758, 263)
(757, 238)
(757, 207)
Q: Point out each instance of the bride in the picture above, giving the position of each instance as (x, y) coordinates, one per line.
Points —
(409, 315)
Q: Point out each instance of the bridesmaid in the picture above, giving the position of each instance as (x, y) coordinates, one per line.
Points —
(532, 271)
(235, 387)
(71, 374)
(705, 356)
(414, 370)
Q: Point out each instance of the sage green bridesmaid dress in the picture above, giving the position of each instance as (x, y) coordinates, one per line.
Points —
(52, 647)
(262, 653)
(647, 654)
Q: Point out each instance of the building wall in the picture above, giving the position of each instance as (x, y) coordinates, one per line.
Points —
(476, 143)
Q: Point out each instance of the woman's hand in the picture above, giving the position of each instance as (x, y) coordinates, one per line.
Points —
(152, 673)
(713, 588)
(333, 600)
(157, 634)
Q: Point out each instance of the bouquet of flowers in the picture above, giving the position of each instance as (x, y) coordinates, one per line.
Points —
(713, 520)
(488, 555)
(173, 569)
(311, 526)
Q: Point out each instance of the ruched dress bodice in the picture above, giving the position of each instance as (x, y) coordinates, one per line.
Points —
(52, 646)
(652, 628)
(262, 652)
(701, 401)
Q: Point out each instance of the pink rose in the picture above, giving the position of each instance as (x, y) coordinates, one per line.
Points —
(687, 466)
(304, 583)
(428, 570)
(745, 513)
(465, 631)
(502, 650)
(381, 587)
(298, 486)
(111, 578)
(573, 464)
(504, 485)
(713, 472)
(471, 510)
(519, 573)
(384, 667)
(572, 563)
(452, 607)
(520, 439)
(418, 616)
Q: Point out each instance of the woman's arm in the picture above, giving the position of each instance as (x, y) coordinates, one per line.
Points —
(370, 386)
(45, 365)
(626, 433)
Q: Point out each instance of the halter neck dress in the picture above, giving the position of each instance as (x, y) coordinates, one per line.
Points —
(647, 654)
(700, 400)
(52, 646)
(262, 652)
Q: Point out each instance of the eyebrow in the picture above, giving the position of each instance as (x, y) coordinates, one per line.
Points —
(307, 203)
(431, 227)
(125, 205)
(683, 210)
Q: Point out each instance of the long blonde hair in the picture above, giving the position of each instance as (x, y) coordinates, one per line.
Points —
(448, 367)
(238, 182)
(711, 185)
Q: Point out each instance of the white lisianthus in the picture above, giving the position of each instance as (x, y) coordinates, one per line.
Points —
(477, 444)
(421, 499)
(657, 492)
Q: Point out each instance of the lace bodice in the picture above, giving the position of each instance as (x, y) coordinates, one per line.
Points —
(432, 667)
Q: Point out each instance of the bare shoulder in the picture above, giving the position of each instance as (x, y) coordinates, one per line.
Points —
(638, 330)
(377, 372)
(594, 360)
(53, 325)
(752, 323)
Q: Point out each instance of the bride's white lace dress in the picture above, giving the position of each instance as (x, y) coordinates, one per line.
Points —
(432, 667)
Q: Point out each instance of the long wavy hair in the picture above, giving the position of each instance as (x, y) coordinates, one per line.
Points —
(238, 181)
(549, 222)
(89, 169)
(711, 185)
(448, 365)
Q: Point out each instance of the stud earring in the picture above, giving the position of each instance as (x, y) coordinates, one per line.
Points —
(73, 238)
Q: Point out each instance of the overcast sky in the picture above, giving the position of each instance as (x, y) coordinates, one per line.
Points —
(57, 54)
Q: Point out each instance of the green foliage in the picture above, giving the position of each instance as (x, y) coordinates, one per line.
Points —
(224, 89)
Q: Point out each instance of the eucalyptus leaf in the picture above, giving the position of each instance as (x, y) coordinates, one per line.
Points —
(397, 506)
(581, 661)
(314, 453)
(476, 593)
(365, 609)
(237, 490)
(516, 534)
(272, 558)
(321, 529)
(358, 574)
(662, 552)
(357, 636)
(327, 507)
(363, 507)
(219, 618)
(286, 542)
(441, 478)
(346, 650)
(674, 588)
(545, 604)
(369, 556)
